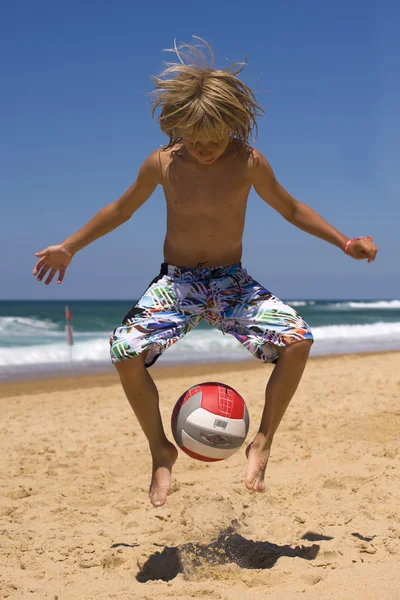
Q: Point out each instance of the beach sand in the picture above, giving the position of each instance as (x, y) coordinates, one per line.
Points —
(76, 522)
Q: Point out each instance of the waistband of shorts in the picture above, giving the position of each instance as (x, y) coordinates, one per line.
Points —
(198, 272)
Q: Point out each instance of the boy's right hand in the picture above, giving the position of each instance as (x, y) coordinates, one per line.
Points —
(53, 259)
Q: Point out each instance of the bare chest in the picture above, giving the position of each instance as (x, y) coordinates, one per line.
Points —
(205, 192)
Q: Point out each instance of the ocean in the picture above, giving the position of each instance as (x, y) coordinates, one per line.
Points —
(33, 341)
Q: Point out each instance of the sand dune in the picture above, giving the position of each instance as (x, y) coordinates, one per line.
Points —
(76, 522)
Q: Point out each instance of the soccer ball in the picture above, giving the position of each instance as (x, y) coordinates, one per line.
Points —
(210, 421)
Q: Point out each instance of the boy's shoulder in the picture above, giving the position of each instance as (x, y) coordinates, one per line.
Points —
(247, 153)
(259, 166)
(256, 158)
(250, 159)
(150, 168)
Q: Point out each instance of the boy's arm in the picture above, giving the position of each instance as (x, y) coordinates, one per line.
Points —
(57, 258)
(301, 215)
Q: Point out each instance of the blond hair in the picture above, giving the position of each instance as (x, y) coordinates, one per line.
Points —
(194, 97)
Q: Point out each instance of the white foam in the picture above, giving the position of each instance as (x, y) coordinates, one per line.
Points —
(51, 354)
(300, 302)
(297, 303)
(25, 325)
(338, 332)
(379, 305)
(200, 346)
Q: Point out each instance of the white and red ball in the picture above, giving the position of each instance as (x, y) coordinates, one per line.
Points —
(210, 421)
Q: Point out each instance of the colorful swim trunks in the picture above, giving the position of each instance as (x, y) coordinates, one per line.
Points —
(226, 297)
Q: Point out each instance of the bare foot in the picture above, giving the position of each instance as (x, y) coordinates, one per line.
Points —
(258, 455)
(161, 477)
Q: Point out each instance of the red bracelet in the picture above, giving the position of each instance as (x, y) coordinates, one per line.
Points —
(346, 248)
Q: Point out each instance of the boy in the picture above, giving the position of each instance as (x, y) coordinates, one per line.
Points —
(207, 170)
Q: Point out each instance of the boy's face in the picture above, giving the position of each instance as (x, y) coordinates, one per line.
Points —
(206, 147)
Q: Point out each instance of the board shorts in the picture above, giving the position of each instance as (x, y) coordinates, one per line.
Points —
(226, 297)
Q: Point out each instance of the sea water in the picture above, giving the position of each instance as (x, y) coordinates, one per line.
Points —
(33, 341)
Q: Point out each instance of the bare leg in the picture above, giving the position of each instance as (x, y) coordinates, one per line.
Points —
(280, 389)
(142, 394)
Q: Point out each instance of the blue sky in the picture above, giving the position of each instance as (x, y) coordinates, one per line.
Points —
(75, 127)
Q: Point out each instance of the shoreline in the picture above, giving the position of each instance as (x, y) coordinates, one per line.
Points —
(109, 378)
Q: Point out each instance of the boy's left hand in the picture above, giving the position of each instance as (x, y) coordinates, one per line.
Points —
(362, 248)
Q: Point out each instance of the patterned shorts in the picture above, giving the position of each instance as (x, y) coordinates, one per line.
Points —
(226, 297)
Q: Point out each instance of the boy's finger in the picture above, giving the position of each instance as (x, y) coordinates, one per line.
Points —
(43, 272)
(50, 277)
(41, 253)
(61, 276)
(38, 266)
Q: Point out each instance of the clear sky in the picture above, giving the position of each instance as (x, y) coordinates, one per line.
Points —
(75, 127)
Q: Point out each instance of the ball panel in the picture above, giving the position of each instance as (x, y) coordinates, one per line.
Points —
(195, 389)
(201, 420)
(187, 406)
(199, 457)
(175, 412)
(209, 451)
(212, 438)
(246, 418)
(222, 400)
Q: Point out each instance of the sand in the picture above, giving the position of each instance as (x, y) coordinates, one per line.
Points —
(76, 522)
